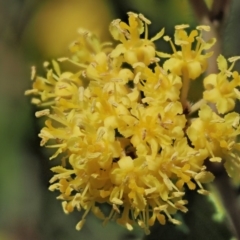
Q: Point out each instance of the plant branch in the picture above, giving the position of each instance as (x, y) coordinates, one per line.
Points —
(200, 9)
(219, 10)
(229, 199)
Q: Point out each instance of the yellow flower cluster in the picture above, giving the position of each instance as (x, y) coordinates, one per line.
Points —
(123, 128)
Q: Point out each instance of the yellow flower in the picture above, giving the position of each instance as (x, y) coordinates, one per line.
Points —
(56, 87)
(202, 131)
(86, 47)
(217, 135)
(189, 62)
(124, 132)
(127, 177)
(133, 47)
(219, 89)
(158, 85)
(109, 75)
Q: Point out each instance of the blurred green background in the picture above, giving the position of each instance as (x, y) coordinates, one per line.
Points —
(32, 31)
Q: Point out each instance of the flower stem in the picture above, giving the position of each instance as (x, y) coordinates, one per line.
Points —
(200, 9)
(197, 105)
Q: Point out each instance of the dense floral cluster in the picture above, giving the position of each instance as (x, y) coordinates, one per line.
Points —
(123, 126)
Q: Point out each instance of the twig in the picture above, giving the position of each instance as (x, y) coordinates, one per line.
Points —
(219, 10)
(200, 9)
(229, 199)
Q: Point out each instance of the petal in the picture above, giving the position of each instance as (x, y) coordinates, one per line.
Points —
(225, 105)
(194, 69)
(210, 81)
(126, 163)
(222, 63)
(205, 113)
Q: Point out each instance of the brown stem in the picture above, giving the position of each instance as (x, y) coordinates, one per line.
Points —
(200, 9)
(229, 199)
(219, 10)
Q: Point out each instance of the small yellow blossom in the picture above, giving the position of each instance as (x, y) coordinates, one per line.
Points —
(217, 135)
(188, 61)
(133, 47)
(220, 90)
(122, 124)
(158, 85)
(86, 47)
